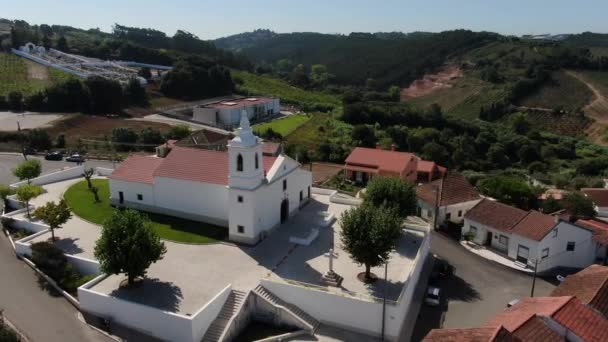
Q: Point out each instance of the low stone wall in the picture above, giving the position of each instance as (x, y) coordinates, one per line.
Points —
(23, 247)
(53, 177)
(103, 171)
(84, 266)
(322, 191)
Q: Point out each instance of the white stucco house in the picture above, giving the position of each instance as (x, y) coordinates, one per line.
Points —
(599, 196)
(451, 197)
(530, 236)
(240, 188)
(228, 113)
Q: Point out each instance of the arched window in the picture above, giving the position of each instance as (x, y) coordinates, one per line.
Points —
(239, 163)
(257, 162)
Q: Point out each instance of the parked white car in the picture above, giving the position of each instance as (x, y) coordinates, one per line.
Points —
(433, 296)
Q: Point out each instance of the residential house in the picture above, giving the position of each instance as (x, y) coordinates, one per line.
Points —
(600, 237)
(540, 319)
(530, 236)
(590, 286)
(599, 196)
(429, 171)
(450, 197)
(365, 163)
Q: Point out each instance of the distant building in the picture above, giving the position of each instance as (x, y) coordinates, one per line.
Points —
(227, 113)
(599, 196)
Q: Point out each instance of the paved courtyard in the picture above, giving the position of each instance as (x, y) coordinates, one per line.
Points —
(8, 120)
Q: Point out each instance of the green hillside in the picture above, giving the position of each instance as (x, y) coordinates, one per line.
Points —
(561, 91)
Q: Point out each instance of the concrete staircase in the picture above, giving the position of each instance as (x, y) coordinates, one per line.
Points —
(296, 311)
(231, 307)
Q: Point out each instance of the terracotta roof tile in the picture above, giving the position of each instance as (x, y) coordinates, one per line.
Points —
(515, 316)
(584, 322)
(535, 329)
(200, 165)
(495, 214)
(136, 168)
(484, 334)
(271, 148)
(590, 286)
(599, 196)
(453, 188)
(426, 166)
(391, 161)
(534, 225)
(600, 230)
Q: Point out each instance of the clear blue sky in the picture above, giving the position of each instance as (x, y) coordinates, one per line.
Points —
(213, 19)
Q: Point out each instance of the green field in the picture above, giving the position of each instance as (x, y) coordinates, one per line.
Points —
(283, 126)
(265, 85)
(598, 79)
(321, 127)
(82, 203)
(562, 91)
(14, 75)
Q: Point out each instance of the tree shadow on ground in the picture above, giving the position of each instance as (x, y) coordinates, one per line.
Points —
(456, 288)
(153, 292)
(44, 285)
(69, 245)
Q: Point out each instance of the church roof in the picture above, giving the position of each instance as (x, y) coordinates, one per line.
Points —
(197, 165)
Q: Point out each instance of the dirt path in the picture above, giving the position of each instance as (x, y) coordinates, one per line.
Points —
(37, 71)
(430, 83)
(597, 109)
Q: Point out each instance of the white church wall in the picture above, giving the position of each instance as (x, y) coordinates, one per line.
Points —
(201, 201)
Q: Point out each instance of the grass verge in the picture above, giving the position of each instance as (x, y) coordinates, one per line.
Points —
(283, 126)
(82, 203)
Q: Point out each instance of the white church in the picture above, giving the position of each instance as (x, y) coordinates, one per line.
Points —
(240, 188)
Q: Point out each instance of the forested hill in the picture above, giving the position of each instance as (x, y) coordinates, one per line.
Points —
(388, 58)
(123, 43)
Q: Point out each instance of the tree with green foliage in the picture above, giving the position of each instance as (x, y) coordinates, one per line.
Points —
(39, 139)
(363, 135)
(135, 93)
(123, 138)
(62, 44)
(60, 141)
(105, 95)
(151, 136)
(579, 205)
(15, 101)
(510, 190)
(369, 234)
(25, 193)
(391, 192)
(178, 132)
(28, 169)
(5, 191)
(435, 152)
(54, 215)
(520, 123)
(299, 77)
(551, 205)
(128, 244)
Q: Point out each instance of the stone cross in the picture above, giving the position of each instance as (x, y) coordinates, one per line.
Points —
(331, 256)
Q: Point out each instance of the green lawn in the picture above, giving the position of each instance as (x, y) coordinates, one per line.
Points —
(82, 203)
(283, 126)
(14, 76)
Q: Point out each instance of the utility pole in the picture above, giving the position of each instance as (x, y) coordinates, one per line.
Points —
(534, 277)
(436, 208)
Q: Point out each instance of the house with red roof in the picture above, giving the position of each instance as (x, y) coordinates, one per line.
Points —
(577, 310)
(428, 171)
(241, 188)
(599, 196)
(528, 237)
(227, 113)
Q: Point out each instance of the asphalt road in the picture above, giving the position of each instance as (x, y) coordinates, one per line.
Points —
(478, 290)
(38, 312)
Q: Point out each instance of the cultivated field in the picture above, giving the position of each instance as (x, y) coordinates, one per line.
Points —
(18, 74)
(562, 91)
(283, 126)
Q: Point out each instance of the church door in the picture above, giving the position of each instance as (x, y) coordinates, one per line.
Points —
(284, 210)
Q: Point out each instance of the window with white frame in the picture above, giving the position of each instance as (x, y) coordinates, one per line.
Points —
(544, 253)
(503, 240)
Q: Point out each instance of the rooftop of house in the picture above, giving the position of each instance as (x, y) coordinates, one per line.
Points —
(483, 334)
(379, 159)
(238, 103)
(590, 286)
(192, 164)
(174, 285)
(599, 228)
(451, 189)
(530, 224)
(599, 196)
(205, 137)
(428, 166)
(557, 194)
(271, 148)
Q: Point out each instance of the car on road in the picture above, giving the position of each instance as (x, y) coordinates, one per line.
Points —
(54, 156)
(433, 296)
(75, 158)
(513, 302)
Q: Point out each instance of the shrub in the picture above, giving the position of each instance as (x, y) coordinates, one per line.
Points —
(51, 260)
(468, 236)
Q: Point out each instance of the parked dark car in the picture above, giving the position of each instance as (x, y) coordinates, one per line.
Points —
(54, 156)
(75, 158)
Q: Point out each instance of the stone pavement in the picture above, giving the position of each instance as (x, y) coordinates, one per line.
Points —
(494, 256)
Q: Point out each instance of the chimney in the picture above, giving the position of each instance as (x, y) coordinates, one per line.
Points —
(378, 147)
(393, 147)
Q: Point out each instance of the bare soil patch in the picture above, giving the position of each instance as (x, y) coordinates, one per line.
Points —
(36, 71)
(598, 110)
(430, 83)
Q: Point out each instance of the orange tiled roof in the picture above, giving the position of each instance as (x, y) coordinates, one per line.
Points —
(453, 188)
(391, 161)
(590, 286)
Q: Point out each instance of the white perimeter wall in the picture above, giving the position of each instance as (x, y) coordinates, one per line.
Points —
(152, 321)
(57, 176)
(352, 313)
(427, 210)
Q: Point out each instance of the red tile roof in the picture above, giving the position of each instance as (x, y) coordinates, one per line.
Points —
(485, 334)
(453, 188)
(600, 230)
(271, 148)
(495, 214)
(536, 329)
(136, 168)
(535, 225)
(198, 165)
(590, 286)
(557, 194)
(426, 166)
(585, 323)
(599, 196)
(515, 316)
(390, 161)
